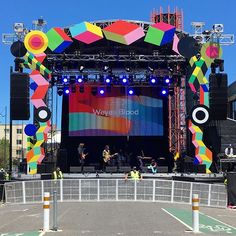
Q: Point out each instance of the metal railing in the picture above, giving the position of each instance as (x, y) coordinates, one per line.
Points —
(155, 190)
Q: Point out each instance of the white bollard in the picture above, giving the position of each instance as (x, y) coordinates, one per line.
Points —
(195, 209)
(46, 208)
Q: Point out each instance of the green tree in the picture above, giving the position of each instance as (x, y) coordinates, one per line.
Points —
(2, 151)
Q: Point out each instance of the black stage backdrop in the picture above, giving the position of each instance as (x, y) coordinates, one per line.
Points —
(152, 146)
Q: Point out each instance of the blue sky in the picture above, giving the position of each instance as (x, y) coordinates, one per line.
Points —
(59, 13)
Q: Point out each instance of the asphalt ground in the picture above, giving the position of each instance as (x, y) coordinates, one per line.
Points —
(116, 218)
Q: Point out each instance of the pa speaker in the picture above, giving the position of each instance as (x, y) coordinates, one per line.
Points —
(19, 96)
(231, 188)
(218, 95)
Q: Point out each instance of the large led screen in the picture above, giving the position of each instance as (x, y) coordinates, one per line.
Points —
(114, 113)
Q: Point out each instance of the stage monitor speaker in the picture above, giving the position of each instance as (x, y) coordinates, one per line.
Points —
(89, 169)
(62, 159)
(111, 169)
(231, 188)
(162, 169)
(19, 96)
(75, 169)
(125, 169)
(218, 96)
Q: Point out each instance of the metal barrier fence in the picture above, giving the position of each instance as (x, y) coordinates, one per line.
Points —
(76, 190)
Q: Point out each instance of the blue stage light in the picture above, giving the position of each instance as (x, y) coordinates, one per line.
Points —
(167, 80)
(153, 80)
(130, 91)
(66, 91)
(108, 80)
(163, 91)
(65, 80)
(124, 80)
(79, 80)
(101, 91)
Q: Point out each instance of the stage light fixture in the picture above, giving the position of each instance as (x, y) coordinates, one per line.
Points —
(108, 80)
(150, 69)
(105, 68)
(101, 91)
(66, 90)
(128, 69)
(81, 68)
(167, 79)
(163, 91)
(79, 80)
(59, 91)
(130, 91)
(124, 80)
(153, 80)
(64, 79)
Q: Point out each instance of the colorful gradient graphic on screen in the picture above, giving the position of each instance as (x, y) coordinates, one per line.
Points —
(114, 114)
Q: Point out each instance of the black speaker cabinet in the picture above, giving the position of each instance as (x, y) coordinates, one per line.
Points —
(19, 96)
(218, 96)
(231, 188)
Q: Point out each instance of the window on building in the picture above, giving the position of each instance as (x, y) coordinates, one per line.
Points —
(18, 152)
(18, 141)
(19, 131)
(7, 131)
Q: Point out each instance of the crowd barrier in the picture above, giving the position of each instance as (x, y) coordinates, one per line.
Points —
(152, 190)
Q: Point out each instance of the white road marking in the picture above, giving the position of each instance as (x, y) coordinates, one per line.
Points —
(218, 220)
(177, 219)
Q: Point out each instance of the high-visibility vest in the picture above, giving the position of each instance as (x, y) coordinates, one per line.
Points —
(7, 177)
(57, 176)
(134, 175)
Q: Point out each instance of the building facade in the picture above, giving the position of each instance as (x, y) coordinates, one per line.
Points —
(19, 141)
(232, 101)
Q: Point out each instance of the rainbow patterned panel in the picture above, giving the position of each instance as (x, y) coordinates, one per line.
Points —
(202, 154)
(160, 34)
(123, 32)
(86, 32)
(58, 40)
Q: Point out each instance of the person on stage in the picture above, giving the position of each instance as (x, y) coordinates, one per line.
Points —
(106, 155)
(82, 155)
(229, 151)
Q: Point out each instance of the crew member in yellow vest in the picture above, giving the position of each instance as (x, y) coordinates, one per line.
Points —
(57, 174)
(176, 158)
(134, 174)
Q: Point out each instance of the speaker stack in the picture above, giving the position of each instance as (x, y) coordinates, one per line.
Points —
(218, 96)
(19, 96)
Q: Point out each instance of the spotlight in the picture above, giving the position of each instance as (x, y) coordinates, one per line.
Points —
(81, 68)
(59, 91)
(108, 80)
(128, 69)
(66, 90)
(65, 79)
(101, 91)
(124, 80)
(105, 68)
(150, 69)
(153, 80)
(131, 92)
(167, 80)
(163, 91)
(80, 80)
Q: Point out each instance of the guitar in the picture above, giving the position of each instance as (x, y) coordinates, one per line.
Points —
(107, 157)
(83, 156)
